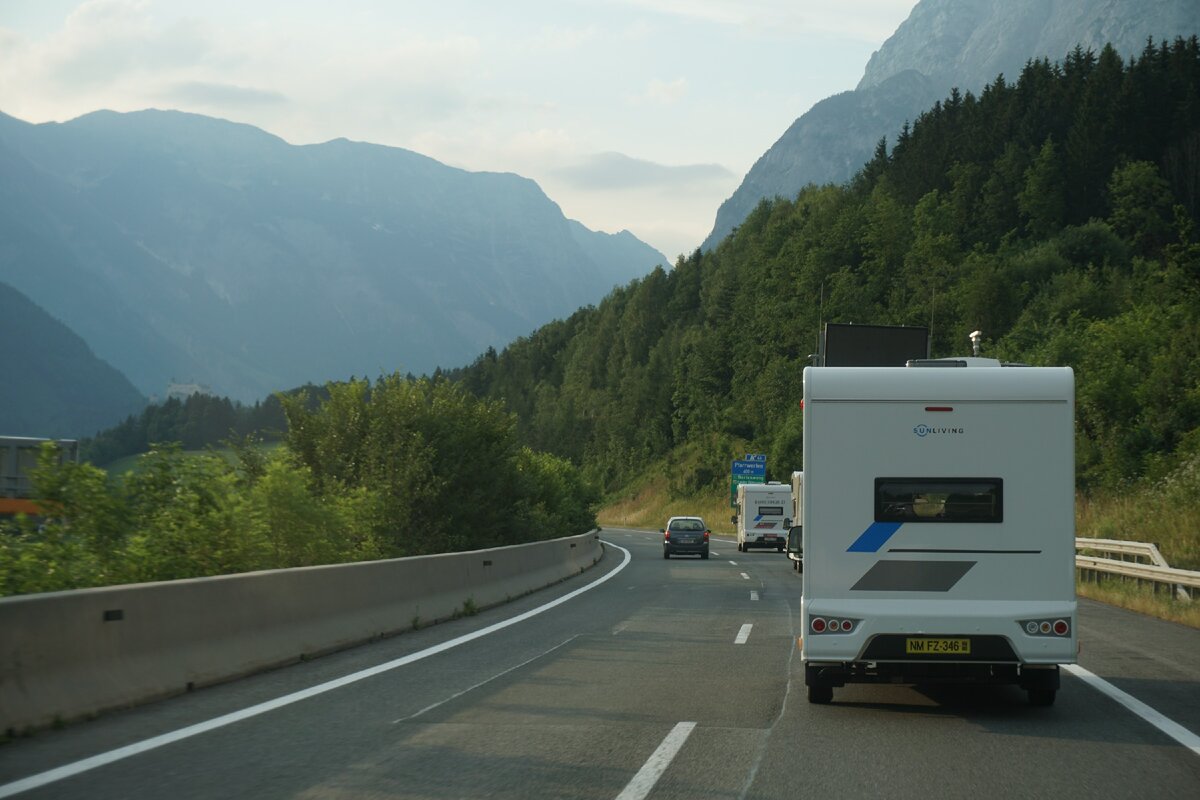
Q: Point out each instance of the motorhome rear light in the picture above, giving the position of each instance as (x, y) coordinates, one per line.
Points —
(939, 408)
(847, 625)
(818, 625)
(834, 626)
(1046, 627)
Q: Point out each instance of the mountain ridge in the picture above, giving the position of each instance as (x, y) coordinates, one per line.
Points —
(250, 264)
(962, 44)
(58, 387)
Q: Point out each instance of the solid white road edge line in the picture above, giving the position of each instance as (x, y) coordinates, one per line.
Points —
(656, 765)
(743, 633)
(84, 765)
(1167, 726)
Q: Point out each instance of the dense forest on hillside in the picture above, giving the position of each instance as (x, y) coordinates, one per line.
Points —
(1057, 213)
(198, 421)
(368, 470)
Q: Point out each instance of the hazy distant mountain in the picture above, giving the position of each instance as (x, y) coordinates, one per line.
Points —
(189, 248)
(943, 44)
(54, 386)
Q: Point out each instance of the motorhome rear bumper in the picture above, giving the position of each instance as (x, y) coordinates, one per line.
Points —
(1027, 676)
(881, 630)
(776, 543)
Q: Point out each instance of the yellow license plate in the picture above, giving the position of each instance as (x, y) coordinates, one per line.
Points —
(956, 647)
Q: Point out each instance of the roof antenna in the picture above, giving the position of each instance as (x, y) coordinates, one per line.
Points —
(975, 337)
(818, 358)
(932, 309)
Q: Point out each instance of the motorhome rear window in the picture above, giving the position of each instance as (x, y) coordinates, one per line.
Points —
(939, 500)
(771, 511)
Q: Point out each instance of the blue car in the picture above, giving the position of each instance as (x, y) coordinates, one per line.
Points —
(685, 535)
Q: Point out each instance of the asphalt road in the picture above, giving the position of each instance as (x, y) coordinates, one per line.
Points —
(648, 684)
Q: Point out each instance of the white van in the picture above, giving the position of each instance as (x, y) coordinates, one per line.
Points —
(795, 540)
(762, 511)
(938, 515)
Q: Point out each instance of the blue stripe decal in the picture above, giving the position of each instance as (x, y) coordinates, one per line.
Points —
(874, 537)
(759, 517)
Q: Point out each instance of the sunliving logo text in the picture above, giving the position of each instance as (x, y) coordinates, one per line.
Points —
(924, 430)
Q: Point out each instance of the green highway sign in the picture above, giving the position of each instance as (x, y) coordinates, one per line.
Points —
(739, 479)
(751, 469)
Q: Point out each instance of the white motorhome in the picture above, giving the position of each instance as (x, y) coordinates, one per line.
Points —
(938, 516)
(795, 542)
(762, 510)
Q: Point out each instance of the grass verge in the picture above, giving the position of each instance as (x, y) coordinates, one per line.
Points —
(649, 508)
(1126, 594)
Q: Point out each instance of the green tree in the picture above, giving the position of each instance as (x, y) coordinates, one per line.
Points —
(1043, 199)
(1141, 206)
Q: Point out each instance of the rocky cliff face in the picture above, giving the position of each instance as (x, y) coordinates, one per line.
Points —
(967, 43)
(943, 44)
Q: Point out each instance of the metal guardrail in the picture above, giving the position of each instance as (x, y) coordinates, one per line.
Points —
(1182, 581)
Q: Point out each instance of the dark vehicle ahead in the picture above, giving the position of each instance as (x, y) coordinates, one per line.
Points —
(685, 535)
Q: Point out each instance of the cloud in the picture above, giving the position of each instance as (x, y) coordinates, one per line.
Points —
(557, 38)
(105, 42)
(616, 171)
(223, 95)
(665, 92)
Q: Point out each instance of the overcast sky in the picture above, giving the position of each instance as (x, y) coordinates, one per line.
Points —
(631, 114)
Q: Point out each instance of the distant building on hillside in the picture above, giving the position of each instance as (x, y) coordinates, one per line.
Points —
(182, 391)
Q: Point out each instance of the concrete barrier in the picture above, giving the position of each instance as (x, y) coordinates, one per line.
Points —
(67, 655)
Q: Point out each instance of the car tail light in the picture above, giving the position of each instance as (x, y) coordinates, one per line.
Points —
(818, 625)
(666, 536)
(706, 536)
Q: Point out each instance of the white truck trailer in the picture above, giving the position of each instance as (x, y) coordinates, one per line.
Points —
(938, 517)
(762, 510)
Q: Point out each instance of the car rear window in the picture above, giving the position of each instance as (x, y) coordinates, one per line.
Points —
(687, 525)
